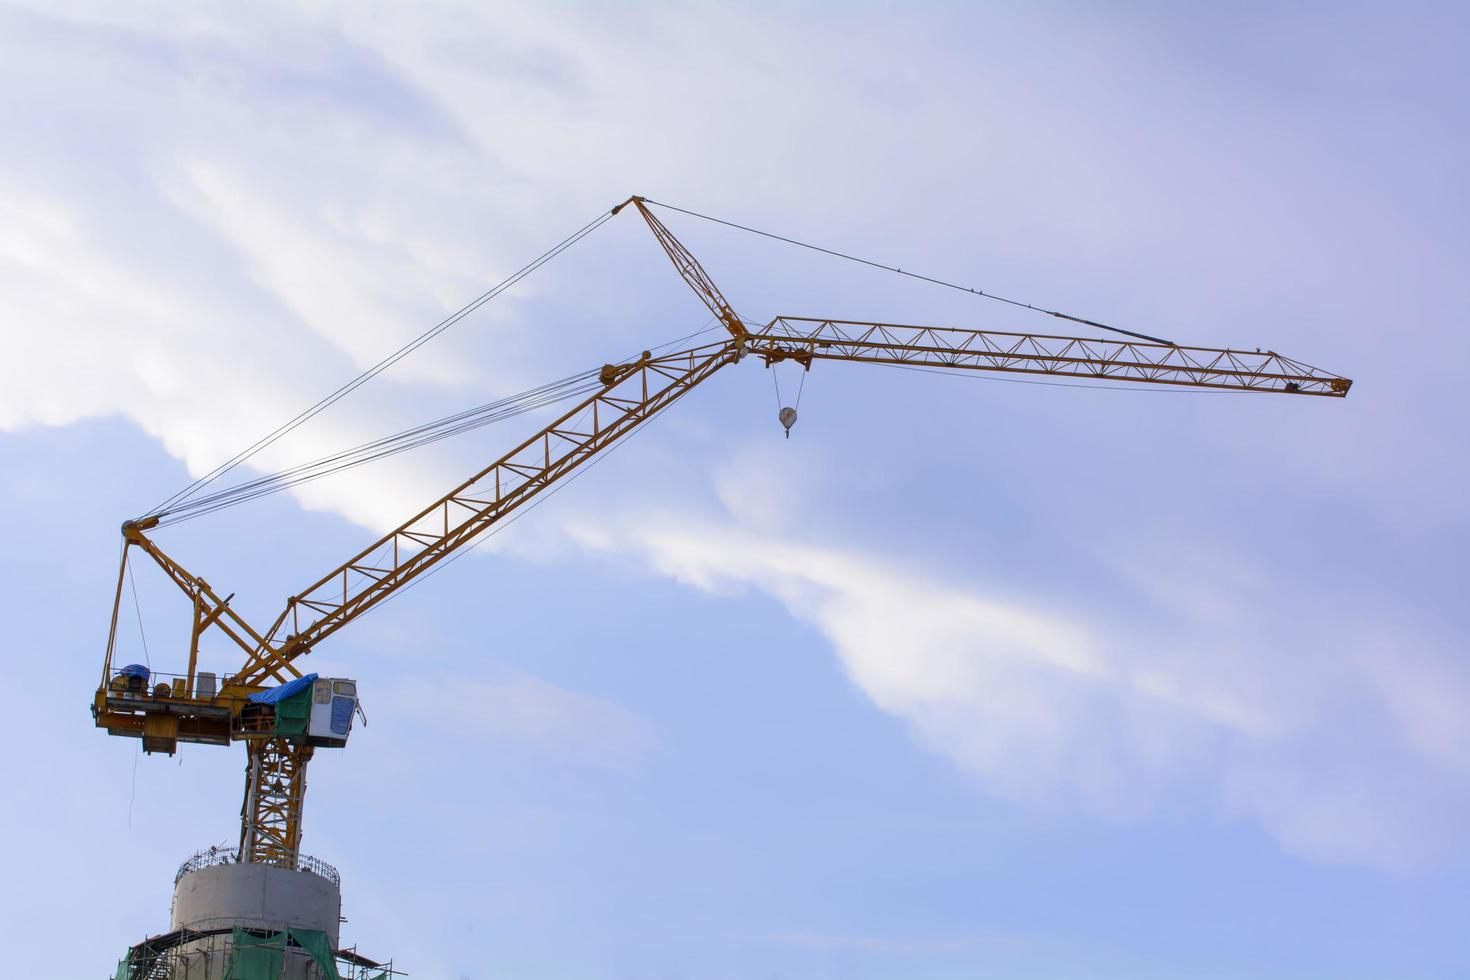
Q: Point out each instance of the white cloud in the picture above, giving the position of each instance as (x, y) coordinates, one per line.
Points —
(343, 275)
(1338, 752)
(256, 235)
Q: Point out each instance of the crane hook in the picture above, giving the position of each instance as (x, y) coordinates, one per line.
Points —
(787, 416)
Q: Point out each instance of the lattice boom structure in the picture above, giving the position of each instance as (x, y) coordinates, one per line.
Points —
(805, 339)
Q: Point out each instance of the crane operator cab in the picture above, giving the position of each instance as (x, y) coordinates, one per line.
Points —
(315, 710)
(333, 703)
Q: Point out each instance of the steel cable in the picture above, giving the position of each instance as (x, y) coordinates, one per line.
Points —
(421, 435)
(381, 366)
(912, 275)
(572, 386)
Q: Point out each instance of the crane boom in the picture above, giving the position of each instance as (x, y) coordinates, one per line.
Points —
(636, 392)
(632, 393)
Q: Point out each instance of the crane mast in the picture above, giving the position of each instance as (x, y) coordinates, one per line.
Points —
(632, 393)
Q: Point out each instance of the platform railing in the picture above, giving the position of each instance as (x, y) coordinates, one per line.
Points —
(223, 854)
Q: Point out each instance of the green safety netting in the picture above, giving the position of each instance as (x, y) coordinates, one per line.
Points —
(256, 957)
(259, 957)
(124, 967)
(315, 943)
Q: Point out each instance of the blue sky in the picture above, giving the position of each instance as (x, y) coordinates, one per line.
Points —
(967, 678)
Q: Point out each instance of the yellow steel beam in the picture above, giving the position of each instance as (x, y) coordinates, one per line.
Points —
(636, 394)
(805, 339)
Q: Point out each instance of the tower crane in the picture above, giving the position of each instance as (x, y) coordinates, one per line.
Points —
(282, 714)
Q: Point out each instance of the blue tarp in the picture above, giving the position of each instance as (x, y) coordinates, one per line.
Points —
(135, 670)
(277, 694)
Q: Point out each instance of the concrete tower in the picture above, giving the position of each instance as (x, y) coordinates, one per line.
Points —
(251, 922)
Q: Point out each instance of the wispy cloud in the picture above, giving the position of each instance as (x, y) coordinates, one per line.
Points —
(1340, 749)
(516, 709)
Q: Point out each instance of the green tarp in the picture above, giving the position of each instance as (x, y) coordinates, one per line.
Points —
(259, 957)
(124, 967)
(293, 713)
(316, 944)
(256, 957)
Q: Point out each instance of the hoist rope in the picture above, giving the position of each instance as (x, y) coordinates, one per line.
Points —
(381, 366)
(413, 438)
(133, 786)
(468, 420)
(800, 387)
(138, 612)
(912, 275)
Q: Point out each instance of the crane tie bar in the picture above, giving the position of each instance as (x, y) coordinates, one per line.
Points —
(912, 275)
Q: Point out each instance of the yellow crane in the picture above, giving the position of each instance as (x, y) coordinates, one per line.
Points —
(282, 715)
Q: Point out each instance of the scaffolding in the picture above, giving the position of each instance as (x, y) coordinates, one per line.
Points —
(234, 953)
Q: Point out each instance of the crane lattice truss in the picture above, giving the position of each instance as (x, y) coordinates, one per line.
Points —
(632, 394)
(806, 339)
(275, 794)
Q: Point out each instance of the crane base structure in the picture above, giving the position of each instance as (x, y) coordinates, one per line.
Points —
(235, 920)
